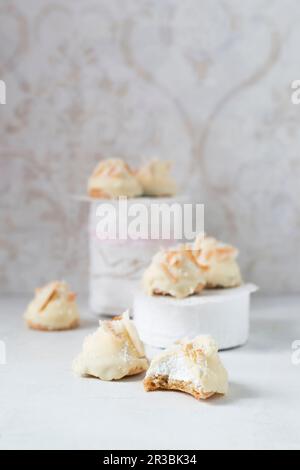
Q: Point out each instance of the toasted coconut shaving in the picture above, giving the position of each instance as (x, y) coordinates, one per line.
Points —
(168, 273)
(72, 296)
(45, 295)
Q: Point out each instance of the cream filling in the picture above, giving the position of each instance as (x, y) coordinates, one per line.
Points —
(207, 375)
(175, 367)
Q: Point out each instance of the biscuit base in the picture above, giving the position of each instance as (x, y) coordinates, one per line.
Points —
(162, 382)
(157, 292)
(37, 326)
(98, 194)
(219, 286)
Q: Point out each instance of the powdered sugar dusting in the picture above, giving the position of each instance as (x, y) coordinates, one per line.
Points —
(176, 367)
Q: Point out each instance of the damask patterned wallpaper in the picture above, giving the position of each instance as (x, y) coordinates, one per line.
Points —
(205, 83)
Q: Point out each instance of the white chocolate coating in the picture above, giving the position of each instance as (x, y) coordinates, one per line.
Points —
(218, 260)
(112, 352)
(53, 308)
(174, 272)
(195, 362)
(113, 178)
(156, 180)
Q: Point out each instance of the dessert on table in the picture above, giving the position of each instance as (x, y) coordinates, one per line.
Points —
(156, 179)
(188, 269)
(53, 308)
(113, 178)
(175, 272)
(194, 289)
(193, 367)
(219, 262)
(114, 351)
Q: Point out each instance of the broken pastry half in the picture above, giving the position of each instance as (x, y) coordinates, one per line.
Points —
(114, 351)
(219, 261)
(156, 179)
(192, 367)
(53, 308)
(113, 178)
(175, 272)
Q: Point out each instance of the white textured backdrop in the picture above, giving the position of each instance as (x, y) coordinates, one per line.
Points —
(205, 83)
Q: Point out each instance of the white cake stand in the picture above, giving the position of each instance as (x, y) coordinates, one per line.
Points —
(221, 313)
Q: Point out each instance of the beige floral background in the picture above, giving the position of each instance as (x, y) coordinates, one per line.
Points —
(205, 83)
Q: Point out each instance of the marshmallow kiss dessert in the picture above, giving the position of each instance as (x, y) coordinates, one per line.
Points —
(113, 178)
(192, 367)
(219, 262)
(112, 352)
(175, 272)
(156, 179)
(53, 308)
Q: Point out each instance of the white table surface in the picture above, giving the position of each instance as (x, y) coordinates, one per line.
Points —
(43, 406)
